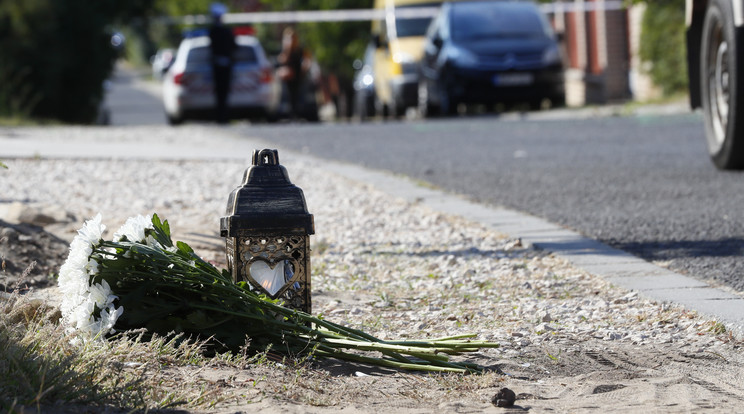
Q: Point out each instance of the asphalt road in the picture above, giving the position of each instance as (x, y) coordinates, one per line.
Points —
(131, 105)
(643, 184)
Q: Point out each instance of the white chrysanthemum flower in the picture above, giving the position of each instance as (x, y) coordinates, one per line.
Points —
(82, 316)
(150, 241)
(98, 295)
(74, 274)
(81, 299)
(134, 229)
(109, 317)
(92, 267)
(73, 284)
(92, 230)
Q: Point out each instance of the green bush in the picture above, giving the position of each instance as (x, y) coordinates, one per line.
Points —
(663, 44)
(55, 56)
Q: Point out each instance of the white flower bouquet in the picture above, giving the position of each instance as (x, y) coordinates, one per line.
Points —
(142, 279)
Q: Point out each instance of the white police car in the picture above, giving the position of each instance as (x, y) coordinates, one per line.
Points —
(188, 85)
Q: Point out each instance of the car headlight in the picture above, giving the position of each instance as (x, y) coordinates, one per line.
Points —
(462, 57)
(551, 56)
(367, 80)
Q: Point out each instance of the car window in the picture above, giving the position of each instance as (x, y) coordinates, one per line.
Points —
(202, 55)
(245, 54)
(482, 20)
(413, 26)
(198, 56)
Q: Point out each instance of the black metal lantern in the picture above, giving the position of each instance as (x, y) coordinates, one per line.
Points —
(267, 229)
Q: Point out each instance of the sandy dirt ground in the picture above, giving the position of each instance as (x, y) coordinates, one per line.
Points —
(557, 370)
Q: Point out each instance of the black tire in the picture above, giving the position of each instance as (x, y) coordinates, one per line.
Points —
(361, 110)
(720, 74)
(558, 101)
(447, 106)
(396, 109)
(369, 107)
(381, 109)
(426, 108)
(535, 104)
(173, 120)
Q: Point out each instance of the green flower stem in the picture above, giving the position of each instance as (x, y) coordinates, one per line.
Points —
(461, 346)
(335, 353)
(172, 288)
(379, 346)
(311, 336)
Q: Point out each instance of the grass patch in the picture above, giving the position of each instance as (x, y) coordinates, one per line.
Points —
(40, 369)
(18, 121)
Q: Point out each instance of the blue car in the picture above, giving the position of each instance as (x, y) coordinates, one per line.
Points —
(489, 52)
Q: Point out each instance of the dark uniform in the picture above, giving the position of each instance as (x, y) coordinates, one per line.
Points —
(223, 46)
(294, 84)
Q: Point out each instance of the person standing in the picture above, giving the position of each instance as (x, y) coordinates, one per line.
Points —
(294, 63)
(222, 45)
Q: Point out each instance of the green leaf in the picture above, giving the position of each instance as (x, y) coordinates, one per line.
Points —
(161, 231)
(185, 248)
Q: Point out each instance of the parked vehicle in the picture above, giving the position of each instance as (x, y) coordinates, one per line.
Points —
(715, 69)
(364, 85)
(398, 41)
(489, 52)
(188, 85)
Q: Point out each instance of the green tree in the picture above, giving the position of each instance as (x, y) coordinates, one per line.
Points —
(56, 54)
(663, 44)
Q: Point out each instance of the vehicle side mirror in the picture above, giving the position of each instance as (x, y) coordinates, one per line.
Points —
(437, 41)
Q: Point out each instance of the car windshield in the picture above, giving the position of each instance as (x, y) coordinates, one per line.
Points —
(198, 56)
(484, 20)
(201, 55)
(245, 54)
(413, 26)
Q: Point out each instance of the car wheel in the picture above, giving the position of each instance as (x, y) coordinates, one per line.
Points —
(396, 109)
(174, 120)
(369, 105)
(719, 71)
(447, 105)
(558, 101)
(381, 109)
(360, 107)
(425, 107)
(536, 104)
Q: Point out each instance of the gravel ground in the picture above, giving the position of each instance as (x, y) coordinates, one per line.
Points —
(398, 269)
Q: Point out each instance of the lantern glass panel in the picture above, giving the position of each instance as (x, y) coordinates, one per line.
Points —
(276, 266)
